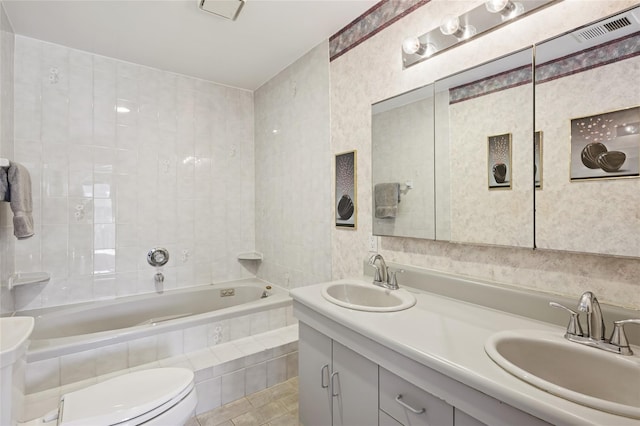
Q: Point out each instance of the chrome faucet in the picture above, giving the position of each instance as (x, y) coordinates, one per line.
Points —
(594, 336)
(383, 277)
(595, 323)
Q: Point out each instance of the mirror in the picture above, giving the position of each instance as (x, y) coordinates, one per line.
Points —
(484, 152)
(588, 109)
(403, 165)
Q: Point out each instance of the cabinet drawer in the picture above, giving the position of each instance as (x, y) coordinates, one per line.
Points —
(411, 405)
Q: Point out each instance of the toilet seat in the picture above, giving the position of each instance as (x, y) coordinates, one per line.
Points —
(130, 399)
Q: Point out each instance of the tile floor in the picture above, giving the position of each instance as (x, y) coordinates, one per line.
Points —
(275, 406)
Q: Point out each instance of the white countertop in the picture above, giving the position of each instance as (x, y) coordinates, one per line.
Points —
(448, 336)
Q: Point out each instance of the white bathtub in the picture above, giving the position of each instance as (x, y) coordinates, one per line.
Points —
(81, 327)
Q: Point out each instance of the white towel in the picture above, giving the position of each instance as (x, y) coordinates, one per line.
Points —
(21, 201)
(387, 197)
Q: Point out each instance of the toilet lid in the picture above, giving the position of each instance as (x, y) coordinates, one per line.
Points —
(125, 397)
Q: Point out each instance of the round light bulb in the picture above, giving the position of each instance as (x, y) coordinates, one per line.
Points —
(411, 45)
(450, 24)
(495, 6)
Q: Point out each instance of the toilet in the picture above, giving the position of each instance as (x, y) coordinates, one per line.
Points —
(158, 396)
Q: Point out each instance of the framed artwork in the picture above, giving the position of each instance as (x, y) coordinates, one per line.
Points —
(345, 202)
(499, 161)
(606, 145)
(537, 159)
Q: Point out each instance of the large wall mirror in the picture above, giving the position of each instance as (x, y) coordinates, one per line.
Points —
(588, 110)
(484, 151)
(403, 165)
(552, 164)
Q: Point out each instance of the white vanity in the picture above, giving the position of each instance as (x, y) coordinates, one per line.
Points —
(427, 364)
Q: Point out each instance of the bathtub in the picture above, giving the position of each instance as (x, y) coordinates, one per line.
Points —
(70, 329)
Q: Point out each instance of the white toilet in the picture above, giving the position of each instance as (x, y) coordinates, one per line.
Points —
(159, 396)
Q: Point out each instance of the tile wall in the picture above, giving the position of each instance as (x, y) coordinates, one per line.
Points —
(7, 243)
(293, 178)
(124, 158)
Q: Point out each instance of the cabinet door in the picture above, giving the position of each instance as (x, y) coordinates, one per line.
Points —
(314, 369)
(355, 388)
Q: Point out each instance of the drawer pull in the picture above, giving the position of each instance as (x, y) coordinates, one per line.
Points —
(335, 378)
(322, 375)
(407, 406)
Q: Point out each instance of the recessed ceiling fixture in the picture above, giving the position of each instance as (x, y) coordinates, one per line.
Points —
(229, 9)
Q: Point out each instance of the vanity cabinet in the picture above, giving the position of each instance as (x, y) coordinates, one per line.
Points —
(340, 387)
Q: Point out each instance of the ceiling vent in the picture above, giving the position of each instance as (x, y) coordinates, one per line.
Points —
(229, 9)
(603, 29)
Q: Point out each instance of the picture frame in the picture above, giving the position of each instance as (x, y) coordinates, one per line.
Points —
(537, 159)
(606, 145)
(345, 203)
(499, 161)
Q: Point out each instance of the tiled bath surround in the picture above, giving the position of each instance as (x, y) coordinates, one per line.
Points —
(124, 158)
(7, 242)
(293, 175)
(223, 373)
(68, 369)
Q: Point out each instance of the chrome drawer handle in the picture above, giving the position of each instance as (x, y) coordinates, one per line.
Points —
(407, 406)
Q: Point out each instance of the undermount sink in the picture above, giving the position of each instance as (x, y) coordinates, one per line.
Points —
(367, 297)
(586, 375)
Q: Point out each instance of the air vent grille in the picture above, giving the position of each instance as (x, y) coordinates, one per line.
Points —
(603, 29)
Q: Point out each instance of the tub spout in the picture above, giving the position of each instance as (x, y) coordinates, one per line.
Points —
(159, 278)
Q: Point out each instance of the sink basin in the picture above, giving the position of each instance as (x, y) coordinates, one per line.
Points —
(14, 332)
(367, 297)
(588, 376)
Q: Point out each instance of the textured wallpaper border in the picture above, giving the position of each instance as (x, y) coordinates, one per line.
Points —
(584, 60)
(371, 22)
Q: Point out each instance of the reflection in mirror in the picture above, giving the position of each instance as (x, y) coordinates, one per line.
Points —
(402, 165)
(484, 153)
(588, 108)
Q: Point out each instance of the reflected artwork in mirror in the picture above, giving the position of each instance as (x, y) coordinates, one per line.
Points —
(403, 165)
(587, 98)
(484, 133)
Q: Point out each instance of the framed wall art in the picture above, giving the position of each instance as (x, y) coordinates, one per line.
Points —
(345, 201)
(499, 161)
(606, 145)
(537, 159)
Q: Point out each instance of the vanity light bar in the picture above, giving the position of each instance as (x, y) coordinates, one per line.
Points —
(459, 29)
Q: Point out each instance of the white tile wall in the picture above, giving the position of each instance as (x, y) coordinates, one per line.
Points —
(7, 241)
(293, 175)
(176, 170)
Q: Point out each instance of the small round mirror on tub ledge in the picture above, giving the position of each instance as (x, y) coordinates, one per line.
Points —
(158, 256)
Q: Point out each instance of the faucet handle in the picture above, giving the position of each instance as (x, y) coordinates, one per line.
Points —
(618, 337)
(573, 328)
(393, 279)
